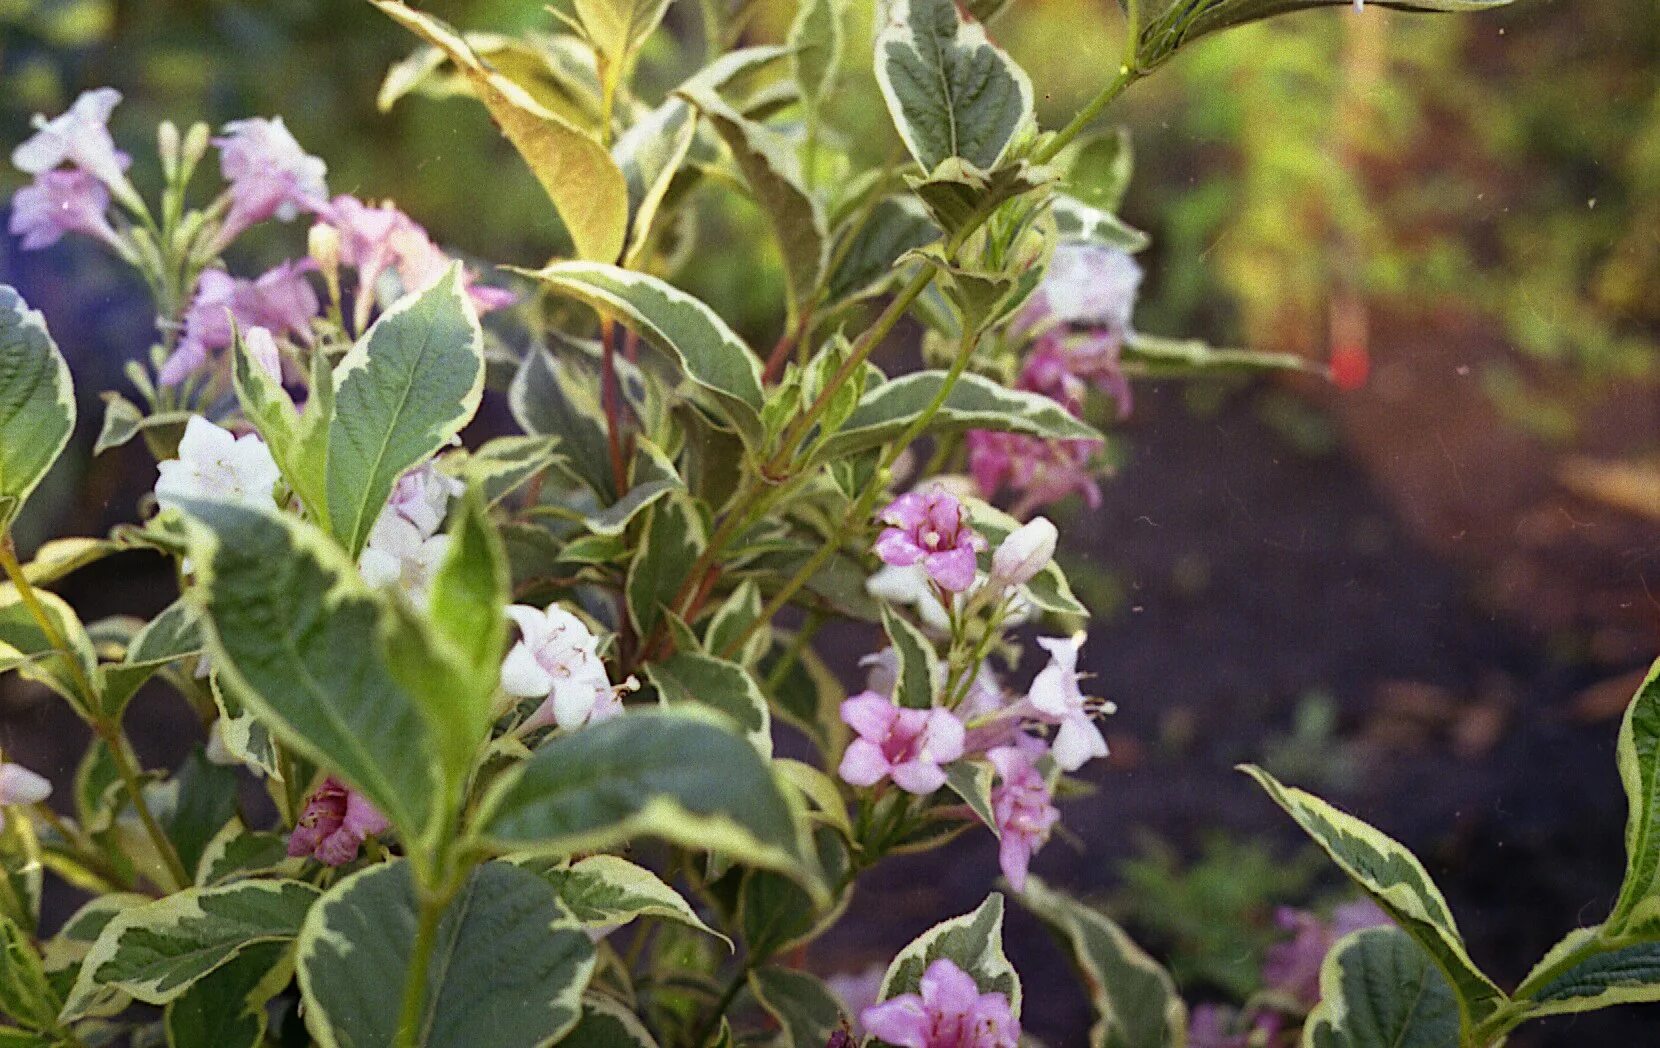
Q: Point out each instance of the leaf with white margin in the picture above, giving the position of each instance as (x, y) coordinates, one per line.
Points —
(1134, 998)
(400, 394)
(1078, 221)
(602, 891)
(158, 951)
(245, 737)
(502, 465)
(607, 1024)
(1638, 758)
(25, 647)
(26, 993)
(772, 170)
(295, 634)
(552, 396)
(226, 1008)
(973, 942)
(1048, 589)
(617, 29)
(919, 676)
(1394, 879)
(650, 154)
(1151, 356)
(869, 250)
(579, 175)
(803, 1006)
(508, 960)
(950, 90)
(722, 369)
(683, 775)
(37, 403)
(1585, 972)
(975, 402)
(816, 39)
(1379, 989)
(973, 781)
(674, 539)
(692, 678)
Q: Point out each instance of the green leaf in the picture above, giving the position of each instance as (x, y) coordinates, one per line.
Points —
(1585, 972)
(579, 175)
(1134, 998)
(650, 154)
(868, 263)
(816, 38)
(950, 91)
(245, 737)
(972, 781)
(1151, 356)
(1396, 881)
(602, 891)
(502, 465)
(173, 634)
(738, 614)
(236, 853)
(56, 558)
(614, 519)
(1188, 20)
(508, 960)
(807, 1012)
(723, 371)
(718, 685)
(617, 28)
(157, 951)
(469, 592)
(975, 402)
(682, 775)
(1638, 758)
(194, 805)
(973, 942)
(806, 694)
(408, 386)
(674, 538)
(25, 647)
(919, 674)
(226, 1008)
(37, 403)
(122, 421)
(21, 868)
(1076, 220)
(296, 635)
(26, 994)
(607, 1024)
(773, 171)
(1379, 989)
(551, 395)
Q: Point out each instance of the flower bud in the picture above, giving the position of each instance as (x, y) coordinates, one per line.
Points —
(323, 244)
(1027, 551)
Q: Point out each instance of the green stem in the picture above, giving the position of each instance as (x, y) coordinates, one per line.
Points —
(711, 1022)
(133, 779)
(1127, 75)
(431, 911)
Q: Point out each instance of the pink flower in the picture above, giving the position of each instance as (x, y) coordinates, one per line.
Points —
(906, 745)
(1023, 805)
(1212, 1027)
(59, 202)
(932, 529)
(281, 300)
(949, 1012)
(81, 138)
(422, 497)
(1293, 967)
(269, 175)
(1043, 471)
(334, 823)
(1063, 367)
(380, 240)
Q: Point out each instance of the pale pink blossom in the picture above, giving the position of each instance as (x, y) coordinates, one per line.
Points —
(281, 300)
(398, 557)
(334, 823)
(931, 529)
(422, 496)
(1087, 285)
(1025, 552)
(1064, 366)
(1293, 967)
(69, 200)
(1042, 471)
(214, 463)
(908, 746)
(262, 347)
(381, 240)
(269, 175)
(20, 786)
(1058, 699)
(557, 660)
(856, 992)
(1023, 806)
(911, 586)
(79, 137)
(948, 1012)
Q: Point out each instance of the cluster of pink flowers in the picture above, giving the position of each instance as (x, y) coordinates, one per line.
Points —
(928, 533)
(1290, 973)
(377, 240)
(76, 167)
(1076, 323)
(334, 823)
(281, 301)
(948, 1011)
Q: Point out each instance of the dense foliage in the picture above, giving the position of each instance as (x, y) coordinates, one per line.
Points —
(520, 708)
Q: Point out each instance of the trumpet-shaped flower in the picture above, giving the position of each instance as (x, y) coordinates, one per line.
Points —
(1023, 806)
(1027, 551)
(382, 240)
(334, 823)
(269, 175)
(1087, 285)
(19, 785)
(399, 557)
(948, 1012)
(1058, 699)
(59, 202)
(213, 463)
(905, 745)
(557, 659)
(422, 496)
(281, 300)
(79, 137)
(931, 529)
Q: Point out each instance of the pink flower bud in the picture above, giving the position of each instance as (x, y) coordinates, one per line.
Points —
(1027, 551)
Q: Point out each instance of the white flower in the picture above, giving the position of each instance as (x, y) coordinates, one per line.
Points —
(398, 556)
(422, 496)
(910, 585)
(1056, 696)
(1091, 285)
(557, 659)
(19, 785)
(80, 137)
(214, 464)
(1027, 551)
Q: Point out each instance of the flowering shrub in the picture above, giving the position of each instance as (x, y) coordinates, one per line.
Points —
(471, 678)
